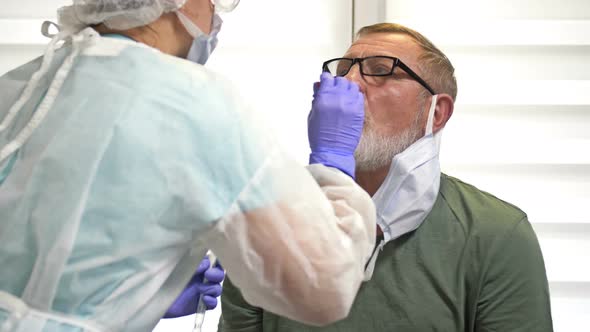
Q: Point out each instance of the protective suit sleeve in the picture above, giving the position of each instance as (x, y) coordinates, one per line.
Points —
(303, 255)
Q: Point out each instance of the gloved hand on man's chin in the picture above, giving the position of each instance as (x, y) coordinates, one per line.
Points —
(187, 301)
(335, 123)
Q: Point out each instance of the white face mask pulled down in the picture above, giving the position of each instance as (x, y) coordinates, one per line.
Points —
(410, 189)
(203, 44)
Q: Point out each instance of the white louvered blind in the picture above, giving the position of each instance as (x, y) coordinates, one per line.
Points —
(521, 127)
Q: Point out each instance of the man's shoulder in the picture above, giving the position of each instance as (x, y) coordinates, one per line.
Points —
(478, 211)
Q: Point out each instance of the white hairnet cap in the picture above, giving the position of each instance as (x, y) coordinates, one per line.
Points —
(115, 14)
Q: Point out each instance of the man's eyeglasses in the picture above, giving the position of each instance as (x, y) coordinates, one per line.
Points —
(379, 65)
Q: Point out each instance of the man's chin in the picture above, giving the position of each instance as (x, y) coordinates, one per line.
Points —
(364, 165)
(376, 151)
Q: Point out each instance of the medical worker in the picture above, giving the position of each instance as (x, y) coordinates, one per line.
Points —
(121, 162)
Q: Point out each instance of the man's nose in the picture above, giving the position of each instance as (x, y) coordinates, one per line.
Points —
(354, 74)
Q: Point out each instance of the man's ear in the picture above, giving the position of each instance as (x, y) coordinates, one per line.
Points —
(443, 111)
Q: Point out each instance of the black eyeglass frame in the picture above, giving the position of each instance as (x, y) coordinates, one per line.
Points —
(396, 63)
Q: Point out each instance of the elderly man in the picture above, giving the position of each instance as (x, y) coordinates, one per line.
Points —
(449, 257)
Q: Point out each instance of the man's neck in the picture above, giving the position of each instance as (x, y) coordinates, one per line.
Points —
(370, 181)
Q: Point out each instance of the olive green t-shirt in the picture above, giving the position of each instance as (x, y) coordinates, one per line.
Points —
(473, 265)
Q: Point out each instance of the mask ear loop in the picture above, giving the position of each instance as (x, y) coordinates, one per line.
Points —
(54, 88)
(189, 25)
(430, 123)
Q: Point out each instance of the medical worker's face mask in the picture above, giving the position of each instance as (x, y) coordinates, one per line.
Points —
(204, 44)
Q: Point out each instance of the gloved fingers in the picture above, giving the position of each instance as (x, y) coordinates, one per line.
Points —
(342, 83)
(215, 274)
(210, 289)
(326, 82)
(210, 302)
(203, 266)
(316, 86)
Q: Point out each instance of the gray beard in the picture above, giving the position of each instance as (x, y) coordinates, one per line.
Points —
(376, 151)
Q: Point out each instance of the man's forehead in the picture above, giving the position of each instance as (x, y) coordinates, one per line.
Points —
(391, 44)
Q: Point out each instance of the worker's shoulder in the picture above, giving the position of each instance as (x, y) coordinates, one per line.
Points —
(479, 212)
(145, 69)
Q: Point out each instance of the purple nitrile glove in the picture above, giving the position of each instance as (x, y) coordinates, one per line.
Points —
(187, 301)
(335, 123)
